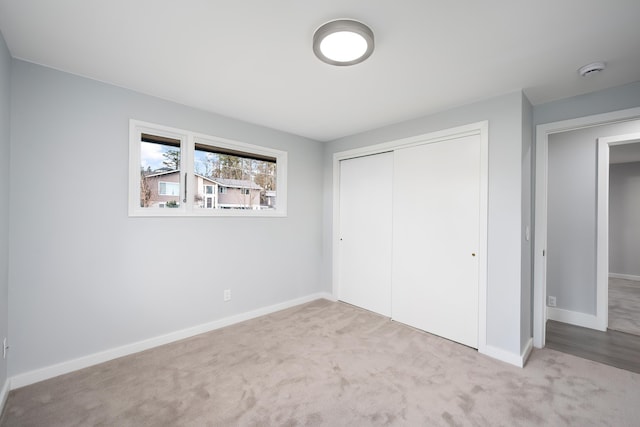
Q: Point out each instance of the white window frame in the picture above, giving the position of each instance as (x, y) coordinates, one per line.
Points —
(188, 140)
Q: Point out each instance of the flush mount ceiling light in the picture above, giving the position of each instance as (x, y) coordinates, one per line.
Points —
(343, 42)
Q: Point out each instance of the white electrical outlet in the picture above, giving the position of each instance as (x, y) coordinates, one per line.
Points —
(551, 301)
(5, 347)
(227, 295)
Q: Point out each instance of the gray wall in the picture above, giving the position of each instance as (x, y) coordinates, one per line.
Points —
(602, 101)
(571, 214)
(505, 115)
(84, 277)
(5, 89)
(624, 218)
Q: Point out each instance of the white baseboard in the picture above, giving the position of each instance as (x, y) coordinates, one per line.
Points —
(527, 351)
(624, 276)
(45, 373)
(504, 356)
(4, 393)
(576, 318)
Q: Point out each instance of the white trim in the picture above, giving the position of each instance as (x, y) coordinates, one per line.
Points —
(624, 276)
(542, 140)
(478, 128)
(518, 360)
(527, 351)
(427, 138)
(602, 237)
(483, 249)
(540, 242)
(51, 371)
(575, 318)
(4, 394)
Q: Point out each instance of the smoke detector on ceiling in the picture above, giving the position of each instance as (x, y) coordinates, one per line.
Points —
(593, 68)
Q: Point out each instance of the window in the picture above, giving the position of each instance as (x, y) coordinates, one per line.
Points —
(179, 169)
(168, 188)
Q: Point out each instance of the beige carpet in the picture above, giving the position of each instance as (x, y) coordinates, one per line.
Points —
(327, 363)
(624, 306)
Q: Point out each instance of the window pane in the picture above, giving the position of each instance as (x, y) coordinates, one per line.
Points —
(168, 188)
(244, 180)
(159, 171)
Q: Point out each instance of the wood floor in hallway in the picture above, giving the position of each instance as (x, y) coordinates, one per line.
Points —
(613, 348)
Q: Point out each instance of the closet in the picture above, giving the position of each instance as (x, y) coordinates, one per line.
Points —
(410, 225)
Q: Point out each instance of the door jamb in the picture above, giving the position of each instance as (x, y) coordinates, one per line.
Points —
(602, 253)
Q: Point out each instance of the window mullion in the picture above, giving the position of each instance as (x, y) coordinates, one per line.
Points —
(188, 173)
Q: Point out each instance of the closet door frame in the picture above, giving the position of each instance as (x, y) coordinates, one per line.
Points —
(479, 128)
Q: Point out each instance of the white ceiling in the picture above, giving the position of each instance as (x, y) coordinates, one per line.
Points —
(252, 59)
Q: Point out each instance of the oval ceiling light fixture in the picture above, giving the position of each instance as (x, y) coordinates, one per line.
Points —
(343, 42)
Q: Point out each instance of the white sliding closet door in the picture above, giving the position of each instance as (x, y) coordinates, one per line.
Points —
(364, 277)
(436, 231)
